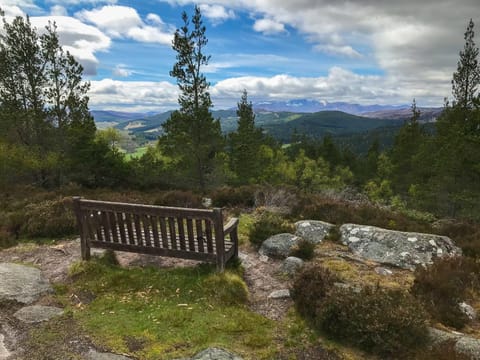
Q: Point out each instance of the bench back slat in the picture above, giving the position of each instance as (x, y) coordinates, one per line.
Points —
(199, 233)
(208, 234)
(172, 232)
(191, 236)
(181, 233)
(156, 239)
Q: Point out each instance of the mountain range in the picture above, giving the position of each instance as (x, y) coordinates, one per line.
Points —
(281, 119)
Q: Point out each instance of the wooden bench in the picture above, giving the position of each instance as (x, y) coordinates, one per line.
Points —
(196, 234)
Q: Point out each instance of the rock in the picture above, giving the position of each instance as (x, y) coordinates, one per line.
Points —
(4, 353)
(465, 345)
(278, 246)
(468, 310)
(279, 294)
(37, 313)
(291, 265)
(402, 249)
(312, 230)
(382, 271)
(21, 283)
(94, 355)
(215, 354)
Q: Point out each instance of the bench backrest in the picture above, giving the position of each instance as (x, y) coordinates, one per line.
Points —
(172, 231)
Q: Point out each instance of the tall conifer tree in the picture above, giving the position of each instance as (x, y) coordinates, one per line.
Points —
(191, 134)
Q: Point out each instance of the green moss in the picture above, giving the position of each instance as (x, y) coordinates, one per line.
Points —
(169, 313)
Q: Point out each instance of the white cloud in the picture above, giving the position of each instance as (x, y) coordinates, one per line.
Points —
(338, 85)
(124, 21)
(80, 39)
(342, 50)
(12, 11)
(121, 71)
(58, 10)
(133, 95)
(216, 13)
(268, 26)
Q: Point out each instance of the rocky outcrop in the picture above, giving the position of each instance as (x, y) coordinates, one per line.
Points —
(278, 246)
(402, 249)
(312, 230)
(20, 283)
(465, 345)
(37, 313)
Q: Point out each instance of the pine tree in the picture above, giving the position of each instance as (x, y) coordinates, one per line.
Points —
(467, 77)
(191, 135)
(245, 143)
(43, 99)
(406, 146)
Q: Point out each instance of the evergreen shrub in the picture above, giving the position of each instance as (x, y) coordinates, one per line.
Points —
(266, 225)
(304, 250)
(443, 285)
(387, 322)
(310, 287)
(179, 198)
(243, 196)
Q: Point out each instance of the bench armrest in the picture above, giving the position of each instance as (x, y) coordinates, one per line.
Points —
(230, 226)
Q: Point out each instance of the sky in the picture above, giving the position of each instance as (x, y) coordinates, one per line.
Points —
(358, 51)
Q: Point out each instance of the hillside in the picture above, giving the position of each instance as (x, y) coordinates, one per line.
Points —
(323, 123)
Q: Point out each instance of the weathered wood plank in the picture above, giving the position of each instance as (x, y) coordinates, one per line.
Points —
(106, 226)
(121, 228)
(156, 238)
(129, 222)
(113, 226)
(138, 230)
(191, 236)
(173, 233)
(146, 229)
(200, 238)
(163, 231)
(208, 234)
(181, 233)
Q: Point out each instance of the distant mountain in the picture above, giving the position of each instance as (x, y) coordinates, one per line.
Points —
(426, 114)
(115, 116)
(323, 123)
(310, 106)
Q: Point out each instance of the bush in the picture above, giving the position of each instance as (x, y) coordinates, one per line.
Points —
(382, 321)
(228, 288)
(445, 284)
(243, 196)
(49, 218)
(179, 198)
(311, 285)
(466, 234)
(304, 250)
(316, 207)
(268, 224)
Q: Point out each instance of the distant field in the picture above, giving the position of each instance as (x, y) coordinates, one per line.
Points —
(138, 153)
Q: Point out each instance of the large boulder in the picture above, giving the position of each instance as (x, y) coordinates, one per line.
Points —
(21, 283)
(313, 231)
(403, 249)
(279, 246)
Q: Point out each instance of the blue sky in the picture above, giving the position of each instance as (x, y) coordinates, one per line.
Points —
(364, 51)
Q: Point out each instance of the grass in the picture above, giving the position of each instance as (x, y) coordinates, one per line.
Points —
(244, 226)
(168, 313)
(139, 152)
